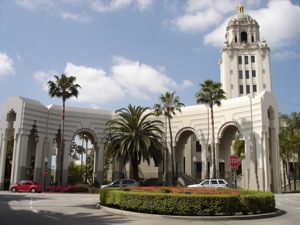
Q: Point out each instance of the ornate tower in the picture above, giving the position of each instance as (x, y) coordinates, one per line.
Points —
(245, 63)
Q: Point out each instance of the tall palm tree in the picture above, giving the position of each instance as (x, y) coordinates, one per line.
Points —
(63, 87)
(168, 106)
(211, 93)
(134, 137)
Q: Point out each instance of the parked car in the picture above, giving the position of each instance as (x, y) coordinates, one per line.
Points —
(122, 183)
(26, 186)
(211, 183)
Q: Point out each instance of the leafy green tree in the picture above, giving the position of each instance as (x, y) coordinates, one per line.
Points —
(211, 93)
(289, 142)
(134, 137)
(63, 87)
(295, 126)
(168, 106)
(90, 166)
(239, 150)
(73, 169)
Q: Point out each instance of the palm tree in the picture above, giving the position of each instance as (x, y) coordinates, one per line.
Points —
(168, 106)
(134, 137)
(63, 87)
(211, 93)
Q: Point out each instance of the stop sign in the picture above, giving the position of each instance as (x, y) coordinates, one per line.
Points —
(234, 161)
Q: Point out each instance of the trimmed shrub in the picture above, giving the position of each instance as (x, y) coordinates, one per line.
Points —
(186, 201)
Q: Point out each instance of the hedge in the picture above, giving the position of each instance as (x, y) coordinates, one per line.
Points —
(187, 203)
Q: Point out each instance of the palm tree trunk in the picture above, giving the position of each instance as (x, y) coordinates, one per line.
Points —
(135, 168)
(284, 174)
(213, 143)
(172, 152)
(62, 144)
(81, 178)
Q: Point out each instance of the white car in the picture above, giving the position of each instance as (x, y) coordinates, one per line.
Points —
(211, 183)
(121, 183)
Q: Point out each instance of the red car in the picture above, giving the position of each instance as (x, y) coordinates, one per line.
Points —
(26, 186)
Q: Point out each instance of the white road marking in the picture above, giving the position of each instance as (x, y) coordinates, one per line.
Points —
(55, 218)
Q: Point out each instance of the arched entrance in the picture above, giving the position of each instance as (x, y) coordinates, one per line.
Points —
(85, 140)
(227, 135)
(190, 163)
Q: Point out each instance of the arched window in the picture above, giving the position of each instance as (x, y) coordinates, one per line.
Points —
(244, 37)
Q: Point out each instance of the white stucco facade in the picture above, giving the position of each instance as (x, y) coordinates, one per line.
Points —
(253, 115)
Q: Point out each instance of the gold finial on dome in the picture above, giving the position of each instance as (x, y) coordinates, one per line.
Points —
(240, 8)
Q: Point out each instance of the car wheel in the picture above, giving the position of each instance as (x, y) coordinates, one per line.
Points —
(32, 190)
(14, 190)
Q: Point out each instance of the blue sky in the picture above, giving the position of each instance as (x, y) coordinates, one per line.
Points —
(131, 51)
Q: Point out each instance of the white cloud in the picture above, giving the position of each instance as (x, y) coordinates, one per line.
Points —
(140, 80)
(187, 83)
(42, 78)
(113, 5)
(283, 55)
(82, 17)
(34, 4)
(202, 14)
(128, 79)
(6, 65)
(96, 86)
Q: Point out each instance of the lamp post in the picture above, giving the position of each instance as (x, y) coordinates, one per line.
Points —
(45, 171)
(195, 168)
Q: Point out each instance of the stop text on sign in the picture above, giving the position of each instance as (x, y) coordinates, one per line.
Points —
(234, 161)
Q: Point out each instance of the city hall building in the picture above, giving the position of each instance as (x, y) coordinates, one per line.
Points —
(30, 131)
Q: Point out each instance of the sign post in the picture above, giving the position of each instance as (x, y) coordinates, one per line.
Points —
(234, 162)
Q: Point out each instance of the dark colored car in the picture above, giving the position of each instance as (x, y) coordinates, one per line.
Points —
(26, 186)
(122, 183)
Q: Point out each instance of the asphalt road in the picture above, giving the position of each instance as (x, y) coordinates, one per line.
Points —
(80, 209)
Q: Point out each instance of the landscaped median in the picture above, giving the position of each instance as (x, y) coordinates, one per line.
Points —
(188, 201)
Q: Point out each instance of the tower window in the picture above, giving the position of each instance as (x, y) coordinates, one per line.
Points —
(246, 59)
(240, 74)
(248, 89)
(235, 39)
(252, 39)
(247, 74)
(241, 89)
(244, 36)
(254, 88)
(240, 59)
(252, 58)
(253, 73)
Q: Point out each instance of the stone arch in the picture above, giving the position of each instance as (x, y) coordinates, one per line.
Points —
(88, 131)
(177, 137)
(225, 125)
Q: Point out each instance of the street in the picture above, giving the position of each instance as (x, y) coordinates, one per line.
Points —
(75, 209)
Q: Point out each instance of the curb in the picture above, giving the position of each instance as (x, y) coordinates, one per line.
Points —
(203, 218)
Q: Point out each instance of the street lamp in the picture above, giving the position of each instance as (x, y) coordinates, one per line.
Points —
(45, 171)
(195, 168)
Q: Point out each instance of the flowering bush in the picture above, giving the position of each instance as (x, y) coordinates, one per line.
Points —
(69, 189)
